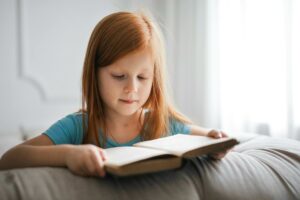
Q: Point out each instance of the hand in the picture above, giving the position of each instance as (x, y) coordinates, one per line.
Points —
(86, 160)
(218, 134)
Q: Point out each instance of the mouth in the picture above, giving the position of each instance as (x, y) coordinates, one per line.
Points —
(128, 101)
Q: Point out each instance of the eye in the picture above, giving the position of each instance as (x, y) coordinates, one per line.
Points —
(142, 78)
(118, 77)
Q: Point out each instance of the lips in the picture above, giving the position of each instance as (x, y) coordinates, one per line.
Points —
(128, 101)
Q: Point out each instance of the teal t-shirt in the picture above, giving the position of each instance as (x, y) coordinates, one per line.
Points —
(68, 130)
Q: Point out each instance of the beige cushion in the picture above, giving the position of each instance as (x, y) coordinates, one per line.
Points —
(261, 168)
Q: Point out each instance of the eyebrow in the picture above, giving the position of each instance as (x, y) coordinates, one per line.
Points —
(144, 69)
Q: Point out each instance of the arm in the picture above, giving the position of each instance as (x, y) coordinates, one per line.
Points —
(40, 151)
(197, 130)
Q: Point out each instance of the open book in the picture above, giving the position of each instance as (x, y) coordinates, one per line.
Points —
(161, 154)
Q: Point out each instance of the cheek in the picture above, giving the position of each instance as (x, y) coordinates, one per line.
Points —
(108, 90)
(146, 90)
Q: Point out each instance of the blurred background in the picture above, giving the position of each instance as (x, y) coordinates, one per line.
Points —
(232, 64)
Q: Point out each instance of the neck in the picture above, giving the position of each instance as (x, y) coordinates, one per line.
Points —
(122, 121)
(123, 127)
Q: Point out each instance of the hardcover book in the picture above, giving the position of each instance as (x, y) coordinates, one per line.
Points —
(161, 154)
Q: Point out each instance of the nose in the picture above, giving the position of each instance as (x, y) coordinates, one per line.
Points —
(131, 85)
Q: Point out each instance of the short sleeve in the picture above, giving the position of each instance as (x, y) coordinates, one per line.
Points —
(67, 130)
(177, 127)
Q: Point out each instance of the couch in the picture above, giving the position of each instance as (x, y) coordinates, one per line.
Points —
(258, 168)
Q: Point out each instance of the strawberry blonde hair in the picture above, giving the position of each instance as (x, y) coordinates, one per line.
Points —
(115, 36)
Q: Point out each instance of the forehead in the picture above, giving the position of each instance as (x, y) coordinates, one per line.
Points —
(141, 60)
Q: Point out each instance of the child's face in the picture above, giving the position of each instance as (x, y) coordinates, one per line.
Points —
(125, 85)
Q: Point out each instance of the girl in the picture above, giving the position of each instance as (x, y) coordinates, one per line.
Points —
(123, 101)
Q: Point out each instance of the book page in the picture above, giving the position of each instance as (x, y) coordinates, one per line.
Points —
(180, 143)
(119, 156)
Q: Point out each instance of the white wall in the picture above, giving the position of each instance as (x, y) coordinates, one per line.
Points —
(42, 49)
(43, 45)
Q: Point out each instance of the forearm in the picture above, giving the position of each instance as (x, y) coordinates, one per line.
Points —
(34, 156)
(197, 130)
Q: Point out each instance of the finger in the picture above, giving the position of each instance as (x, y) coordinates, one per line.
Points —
(213, 156)
(217, 134)
(91, 169)
(103, 154)
(100, 170)
(223, 134)
(219, 156)
(99, 164)
(213, 134)
(103, 157)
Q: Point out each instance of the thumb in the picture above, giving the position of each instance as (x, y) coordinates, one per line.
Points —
(218, 134)
(215, 134)
(103, 154)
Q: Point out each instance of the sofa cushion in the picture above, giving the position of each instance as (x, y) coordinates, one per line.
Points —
(261, 168)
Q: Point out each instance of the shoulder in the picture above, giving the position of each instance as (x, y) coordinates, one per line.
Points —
(176, 126)
(70, 120)
(76, 117)
(67, 130)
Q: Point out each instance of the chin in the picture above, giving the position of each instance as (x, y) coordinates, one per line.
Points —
(128, 112)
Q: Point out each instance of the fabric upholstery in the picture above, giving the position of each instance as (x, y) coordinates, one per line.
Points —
(260, 168)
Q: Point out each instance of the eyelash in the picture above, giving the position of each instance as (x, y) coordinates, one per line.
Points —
(118, 77)
(121, 77)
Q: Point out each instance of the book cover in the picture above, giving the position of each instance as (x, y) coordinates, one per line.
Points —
(161, 154)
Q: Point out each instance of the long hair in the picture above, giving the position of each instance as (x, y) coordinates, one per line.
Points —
(115, 36)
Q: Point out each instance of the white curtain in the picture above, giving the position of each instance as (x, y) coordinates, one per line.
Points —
(233, 64)
(254, 51)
